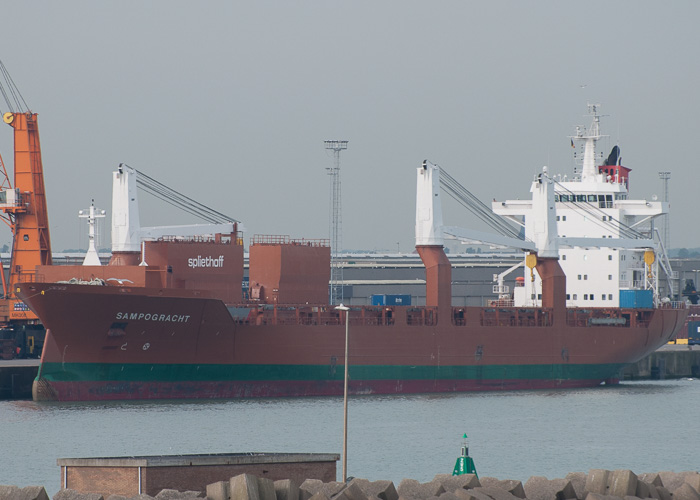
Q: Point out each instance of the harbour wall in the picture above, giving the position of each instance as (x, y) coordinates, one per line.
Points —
(16, 377)
(671, 361)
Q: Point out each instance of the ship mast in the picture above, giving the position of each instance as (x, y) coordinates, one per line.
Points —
(590, 136)
(91, 214)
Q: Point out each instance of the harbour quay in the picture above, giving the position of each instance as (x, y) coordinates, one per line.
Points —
(16, 377)
(670, 361)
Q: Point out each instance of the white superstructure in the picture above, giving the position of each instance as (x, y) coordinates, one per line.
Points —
(593, 205)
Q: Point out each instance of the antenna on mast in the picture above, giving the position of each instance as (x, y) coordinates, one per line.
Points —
(336, 221)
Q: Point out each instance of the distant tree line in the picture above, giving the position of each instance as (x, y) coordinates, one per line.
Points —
(685, 253)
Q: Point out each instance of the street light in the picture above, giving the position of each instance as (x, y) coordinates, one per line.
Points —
(341, 307)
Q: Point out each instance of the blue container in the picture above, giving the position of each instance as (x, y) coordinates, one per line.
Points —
(636, 299)
(391, 300)
(693, 332)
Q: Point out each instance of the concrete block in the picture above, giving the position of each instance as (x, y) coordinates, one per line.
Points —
(313, 486)
(351, 492)
(495, 493)
(631, 497)
(332, 488)
(168, 494)
(513, 487)
(685, 492)
(412, 489)
(541, 488)
(693, 479)
(304, 495)
(488, 481)
(244, 487)
(622, 483)
(597, 496)
(448, 495)
(463, 494)
(596, 482)
(143, 496)
(220, 490)
(653, 492)
(266, 489)
(663, 493)
(9, 492)
(642, 490)
(383, 490)
(114, 497)
(69, 494)
(286, 489)
(452, 483)
(651, 478)
(578, 481)
(320, 496)
(473, 494)
(672, 480)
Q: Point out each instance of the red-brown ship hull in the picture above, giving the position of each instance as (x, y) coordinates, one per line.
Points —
(107, 342)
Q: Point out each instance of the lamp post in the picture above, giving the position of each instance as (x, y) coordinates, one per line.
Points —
(341, 307)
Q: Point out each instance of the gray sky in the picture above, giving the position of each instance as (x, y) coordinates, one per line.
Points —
(230, 102)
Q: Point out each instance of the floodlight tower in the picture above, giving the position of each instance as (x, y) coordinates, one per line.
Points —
(665, 176)
(336, 221)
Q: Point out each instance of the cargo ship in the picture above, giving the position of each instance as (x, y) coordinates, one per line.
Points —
(168, 319)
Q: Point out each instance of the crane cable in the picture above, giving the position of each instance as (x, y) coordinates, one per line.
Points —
(465, 198)
(20, 105)
(174, 198)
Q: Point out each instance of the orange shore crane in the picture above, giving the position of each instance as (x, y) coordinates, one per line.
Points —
(25, 210)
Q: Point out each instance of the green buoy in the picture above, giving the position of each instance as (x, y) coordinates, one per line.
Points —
(465, 463)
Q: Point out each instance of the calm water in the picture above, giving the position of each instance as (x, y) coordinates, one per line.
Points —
(646, 427)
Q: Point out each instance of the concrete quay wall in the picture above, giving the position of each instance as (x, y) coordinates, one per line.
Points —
(16, 377)
(672, 361)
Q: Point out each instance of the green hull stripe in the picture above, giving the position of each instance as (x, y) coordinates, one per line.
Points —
(82, 372)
